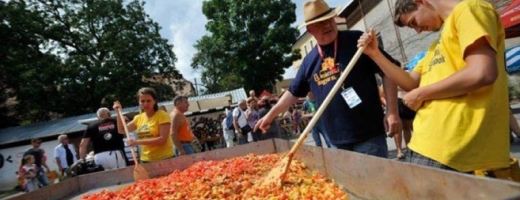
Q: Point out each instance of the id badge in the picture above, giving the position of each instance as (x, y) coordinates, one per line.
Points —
(351, 97)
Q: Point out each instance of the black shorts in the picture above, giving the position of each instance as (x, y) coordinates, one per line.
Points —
(404, 111)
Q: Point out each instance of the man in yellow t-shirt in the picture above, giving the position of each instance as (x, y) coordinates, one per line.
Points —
(459, 89)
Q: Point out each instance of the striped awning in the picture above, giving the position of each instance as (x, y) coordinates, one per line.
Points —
(511, 19)
(513, 59)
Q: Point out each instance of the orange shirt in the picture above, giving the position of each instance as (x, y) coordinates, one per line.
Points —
(184, 131)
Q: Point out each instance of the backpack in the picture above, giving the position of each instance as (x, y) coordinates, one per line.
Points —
(229, 120)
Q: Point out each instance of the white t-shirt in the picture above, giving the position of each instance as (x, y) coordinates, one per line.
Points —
(59, 152)
(242, 119)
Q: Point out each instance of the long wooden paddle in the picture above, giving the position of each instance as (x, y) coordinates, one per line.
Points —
(277, 174)
(140, 172)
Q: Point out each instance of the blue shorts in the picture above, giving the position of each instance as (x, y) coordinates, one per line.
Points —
(187, 148)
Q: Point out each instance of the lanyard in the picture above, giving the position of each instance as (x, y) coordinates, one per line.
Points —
(335, 50)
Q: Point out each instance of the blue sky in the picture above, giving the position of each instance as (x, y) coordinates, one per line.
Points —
(183, 24)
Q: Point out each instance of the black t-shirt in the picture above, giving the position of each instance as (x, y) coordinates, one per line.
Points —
(343, 124)
(38, 156)
(104, 136)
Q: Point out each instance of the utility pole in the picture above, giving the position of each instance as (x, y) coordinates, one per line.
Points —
(398, 36)
(196, 88)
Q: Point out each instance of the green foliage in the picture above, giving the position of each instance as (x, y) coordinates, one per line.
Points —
(69, 57)
(249, 46)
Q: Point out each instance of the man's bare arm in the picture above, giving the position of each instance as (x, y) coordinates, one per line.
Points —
(407, 81)
(175, 125)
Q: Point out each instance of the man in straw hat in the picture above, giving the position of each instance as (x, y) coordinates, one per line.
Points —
(459, 89)
(357, 124)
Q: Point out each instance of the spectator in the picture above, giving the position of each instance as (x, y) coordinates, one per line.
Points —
(309, 108)
(252, 96)
(296, 116)
(39, 160)
(28, 172)
(163, 108)
(275, 128)
(107, 143)
(242, 128)
(253, 116)
(180, 130)
(65, 154)
(513, 126)
(407, 115)
(287, 116)
(229, 135)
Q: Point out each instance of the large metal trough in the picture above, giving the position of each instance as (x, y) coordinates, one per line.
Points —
(363, 177)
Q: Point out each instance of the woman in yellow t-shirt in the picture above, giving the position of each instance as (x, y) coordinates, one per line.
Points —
(151, 126)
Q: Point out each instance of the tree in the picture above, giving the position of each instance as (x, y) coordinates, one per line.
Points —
(249, 46)
(87, 53)
(22, 61)
(210, 59)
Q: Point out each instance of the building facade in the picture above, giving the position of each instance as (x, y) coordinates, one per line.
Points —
(401, 43)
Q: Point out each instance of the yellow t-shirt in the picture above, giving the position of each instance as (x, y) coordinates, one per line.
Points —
(467, 132)
(149, 128)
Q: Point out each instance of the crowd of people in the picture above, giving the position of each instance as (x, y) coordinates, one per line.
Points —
(237, 126)
(456, 98)
(155, 131)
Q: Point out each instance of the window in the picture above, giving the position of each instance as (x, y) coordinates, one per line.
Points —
(306, 51)
(312, 45)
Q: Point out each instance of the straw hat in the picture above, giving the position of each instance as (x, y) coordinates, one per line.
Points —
(316, 11)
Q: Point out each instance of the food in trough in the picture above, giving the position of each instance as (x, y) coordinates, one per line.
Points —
(230, 179)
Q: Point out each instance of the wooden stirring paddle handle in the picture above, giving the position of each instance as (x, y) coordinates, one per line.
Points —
(327, 100)
(120, 115)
